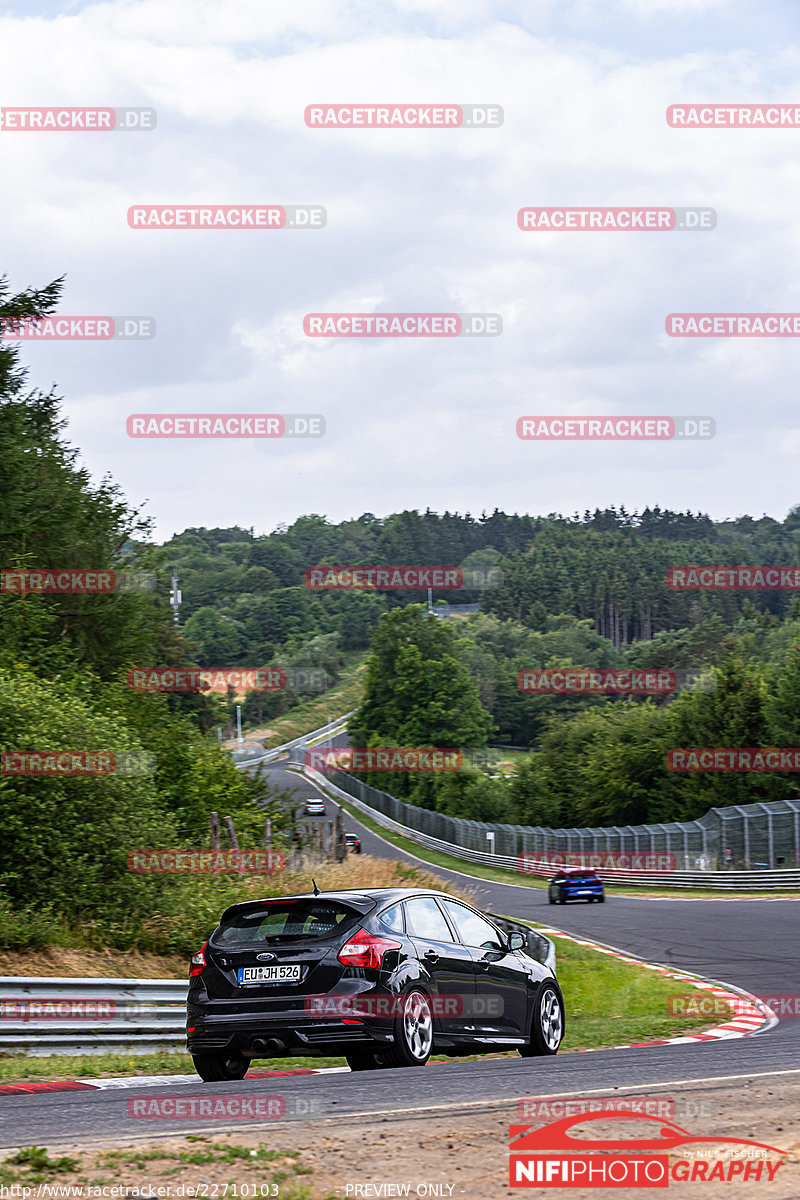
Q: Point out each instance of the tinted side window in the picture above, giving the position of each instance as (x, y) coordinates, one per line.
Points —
(391, 919)
(473, 930)
(425, 920)
(558, 878)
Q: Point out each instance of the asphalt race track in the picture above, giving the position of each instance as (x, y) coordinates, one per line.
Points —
(752, 944)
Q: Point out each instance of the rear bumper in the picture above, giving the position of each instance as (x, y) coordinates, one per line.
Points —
(295, 1034)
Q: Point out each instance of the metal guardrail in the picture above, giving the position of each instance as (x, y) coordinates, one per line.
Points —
(787, 879)
(270, 755)
(43, 1016)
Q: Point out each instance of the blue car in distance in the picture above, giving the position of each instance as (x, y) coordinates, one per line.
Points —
(575, 883)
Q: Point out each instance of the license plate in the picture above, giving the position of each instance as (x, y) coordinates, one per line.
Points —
(283, 973)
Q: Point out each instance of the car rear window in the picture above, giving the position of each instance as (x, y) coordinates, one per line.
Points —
(301, 919)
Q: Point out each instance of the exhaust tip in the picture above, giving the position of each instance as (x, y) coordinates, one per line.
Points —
(268, 1045)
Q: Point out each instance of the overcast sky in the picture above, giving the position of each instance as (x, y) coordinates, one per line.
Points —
(417, 221)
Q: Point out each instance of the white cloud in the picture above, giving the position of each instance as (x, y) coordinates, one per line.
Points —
(417, 221)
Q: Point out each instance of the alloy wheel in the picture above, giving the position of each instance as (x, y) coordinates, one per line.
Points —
(550, 1019)
(418, 1025)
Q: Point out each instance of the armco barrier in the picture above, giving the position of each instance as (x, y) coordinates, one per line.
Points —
(376, 804)
(253, 758)
(42, 1016)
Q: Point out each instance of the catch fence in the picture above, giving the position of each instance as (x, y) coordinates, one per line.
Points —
(755, 838)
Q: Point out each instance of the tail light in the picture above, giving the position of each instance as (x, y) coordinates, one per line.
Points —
(365, 950)
(197, 962)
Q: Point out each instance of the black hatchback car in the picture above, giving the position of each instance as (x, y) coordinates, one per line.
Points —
(383, 977)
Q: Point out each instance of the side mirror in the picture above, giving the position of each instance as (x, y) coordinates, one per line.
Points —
(515, 941)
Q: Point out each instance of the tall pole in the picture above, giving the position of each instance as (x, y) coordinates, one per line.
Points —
(239, 723)
(175, 597)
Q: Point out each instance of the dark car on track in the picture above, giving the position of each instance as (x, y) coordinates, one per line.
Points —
(575, 883)
(353, 843)
(384, 977)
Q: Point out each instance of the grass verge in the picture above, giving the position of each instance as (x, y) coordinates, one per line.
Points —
(19, 1068)
(344, 696)
(213, 1166)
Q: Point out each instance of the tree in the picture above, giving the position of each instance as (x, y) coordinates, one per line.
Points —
(417, 692)
(730, 714)
(358, 615)
(52, 516)
(783, 705)
(217, 640)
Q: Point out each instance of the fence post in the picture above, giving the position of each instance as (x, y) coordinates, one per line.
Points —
(214, 831)
(340, 846)
(770, 838)
(796, 813)
(232, 838)
(745, 834)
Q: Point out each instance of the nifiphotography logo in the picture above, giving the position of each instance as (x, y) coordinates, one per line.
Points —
(663, 1153)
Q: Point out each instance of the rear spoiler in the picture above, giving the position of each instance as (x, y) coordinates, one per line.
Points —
(361, 904)
(538, 946)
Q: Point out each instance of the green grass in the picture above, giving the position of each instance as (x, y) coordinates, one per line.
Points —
(19, 1068)
(609, 1002)
(276, 1169)
(314, 713)
(500, 875)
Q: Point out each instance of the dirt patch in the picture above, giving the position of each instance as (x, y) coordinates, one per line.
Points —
(253, 735)
(462, 1153)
